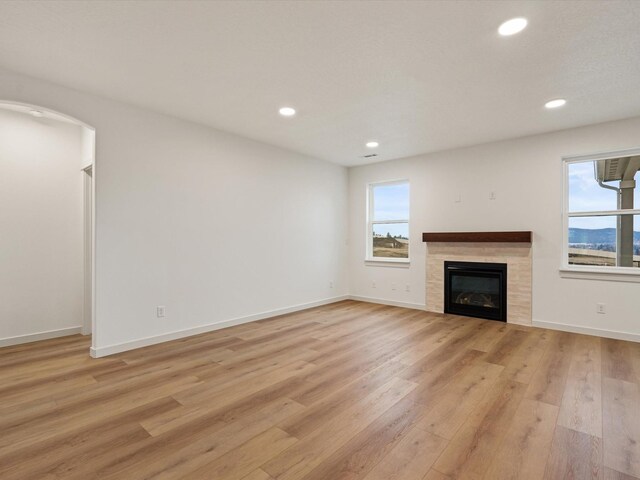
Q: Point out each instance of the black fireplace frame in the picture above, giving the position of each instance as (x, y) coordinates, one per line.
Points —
(476, 269)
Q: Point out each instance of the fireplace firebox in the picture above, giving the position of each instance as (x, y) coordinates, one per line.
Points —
(476, 289)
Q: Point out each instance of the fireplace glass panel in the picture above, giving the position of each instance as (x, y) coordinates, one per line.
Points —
(480, 291)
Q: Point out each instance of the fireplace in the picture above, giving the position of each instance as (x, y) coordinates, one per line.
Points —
(476, 289)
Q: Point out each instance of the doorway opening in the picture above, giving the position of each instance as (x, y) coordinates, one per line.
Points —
(47, 213)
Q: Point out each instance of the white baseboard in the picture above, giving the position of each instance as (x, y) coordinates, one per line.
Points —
(393, 303)
(145, 342)
(34, 337)
(597, 332)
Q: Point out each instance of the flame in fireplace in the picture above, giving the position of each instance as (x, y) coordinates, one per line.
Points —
(477, 299)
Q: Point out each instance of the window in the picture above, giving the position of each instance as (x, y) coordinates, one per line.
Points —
(602, 213)
(388, 222)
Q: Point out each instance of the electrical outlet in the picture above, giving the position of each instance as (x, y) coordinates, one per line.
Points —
(407, 288)
(601, 308)
(161, 311)
(330, 284)
(492, 195)
(393, 286)
(373, 284)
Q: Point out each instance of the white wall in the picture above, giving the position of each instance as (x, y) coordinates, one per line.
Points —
(526, 175)
(213, 226)
(41, 227)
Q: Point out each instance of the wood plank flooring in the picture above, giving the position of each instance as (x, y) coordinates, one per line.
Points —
(341, 392)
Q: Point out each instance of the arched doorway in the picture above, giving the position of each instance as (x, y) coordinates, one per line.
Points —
(47, 165)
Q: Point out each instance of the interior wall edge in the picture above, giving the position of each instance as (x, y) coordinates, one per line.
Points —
(384, 301)
(35, 337)
(595, 332)
(188, 332)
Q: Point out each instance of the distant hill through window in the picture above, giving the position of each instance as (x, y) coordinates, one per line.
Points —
(598, 247)
(597, 235)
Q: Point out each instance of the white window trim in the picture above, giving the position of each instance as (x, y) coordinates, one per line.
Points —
(582, 271)
(369, 258)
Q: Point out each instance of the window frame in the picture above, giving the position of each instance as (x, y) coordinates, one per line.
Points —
(592, 271)
(369, 258)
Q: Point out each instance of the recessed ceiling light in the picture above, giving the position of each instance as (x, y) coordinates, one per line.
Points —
(558, 102)
(36, 113)
(513, 26)
(287, 111)
(372, 144)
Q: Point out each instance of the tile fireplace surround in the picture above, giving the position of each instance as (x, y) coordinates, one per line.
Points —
(512, 248)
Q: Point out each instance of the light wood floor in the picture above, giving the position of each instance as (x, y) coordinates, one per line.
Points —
(346, 391)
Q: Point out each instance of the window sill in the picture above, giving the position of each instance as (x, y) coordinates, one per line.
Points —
(611, 274)
(397, 263)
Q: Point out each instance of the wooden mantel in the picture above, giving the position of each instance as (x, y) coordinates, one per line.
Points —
(477, 237)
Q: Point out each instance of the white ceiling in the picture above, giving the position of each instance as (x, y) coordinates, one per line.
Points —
(416, 76)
